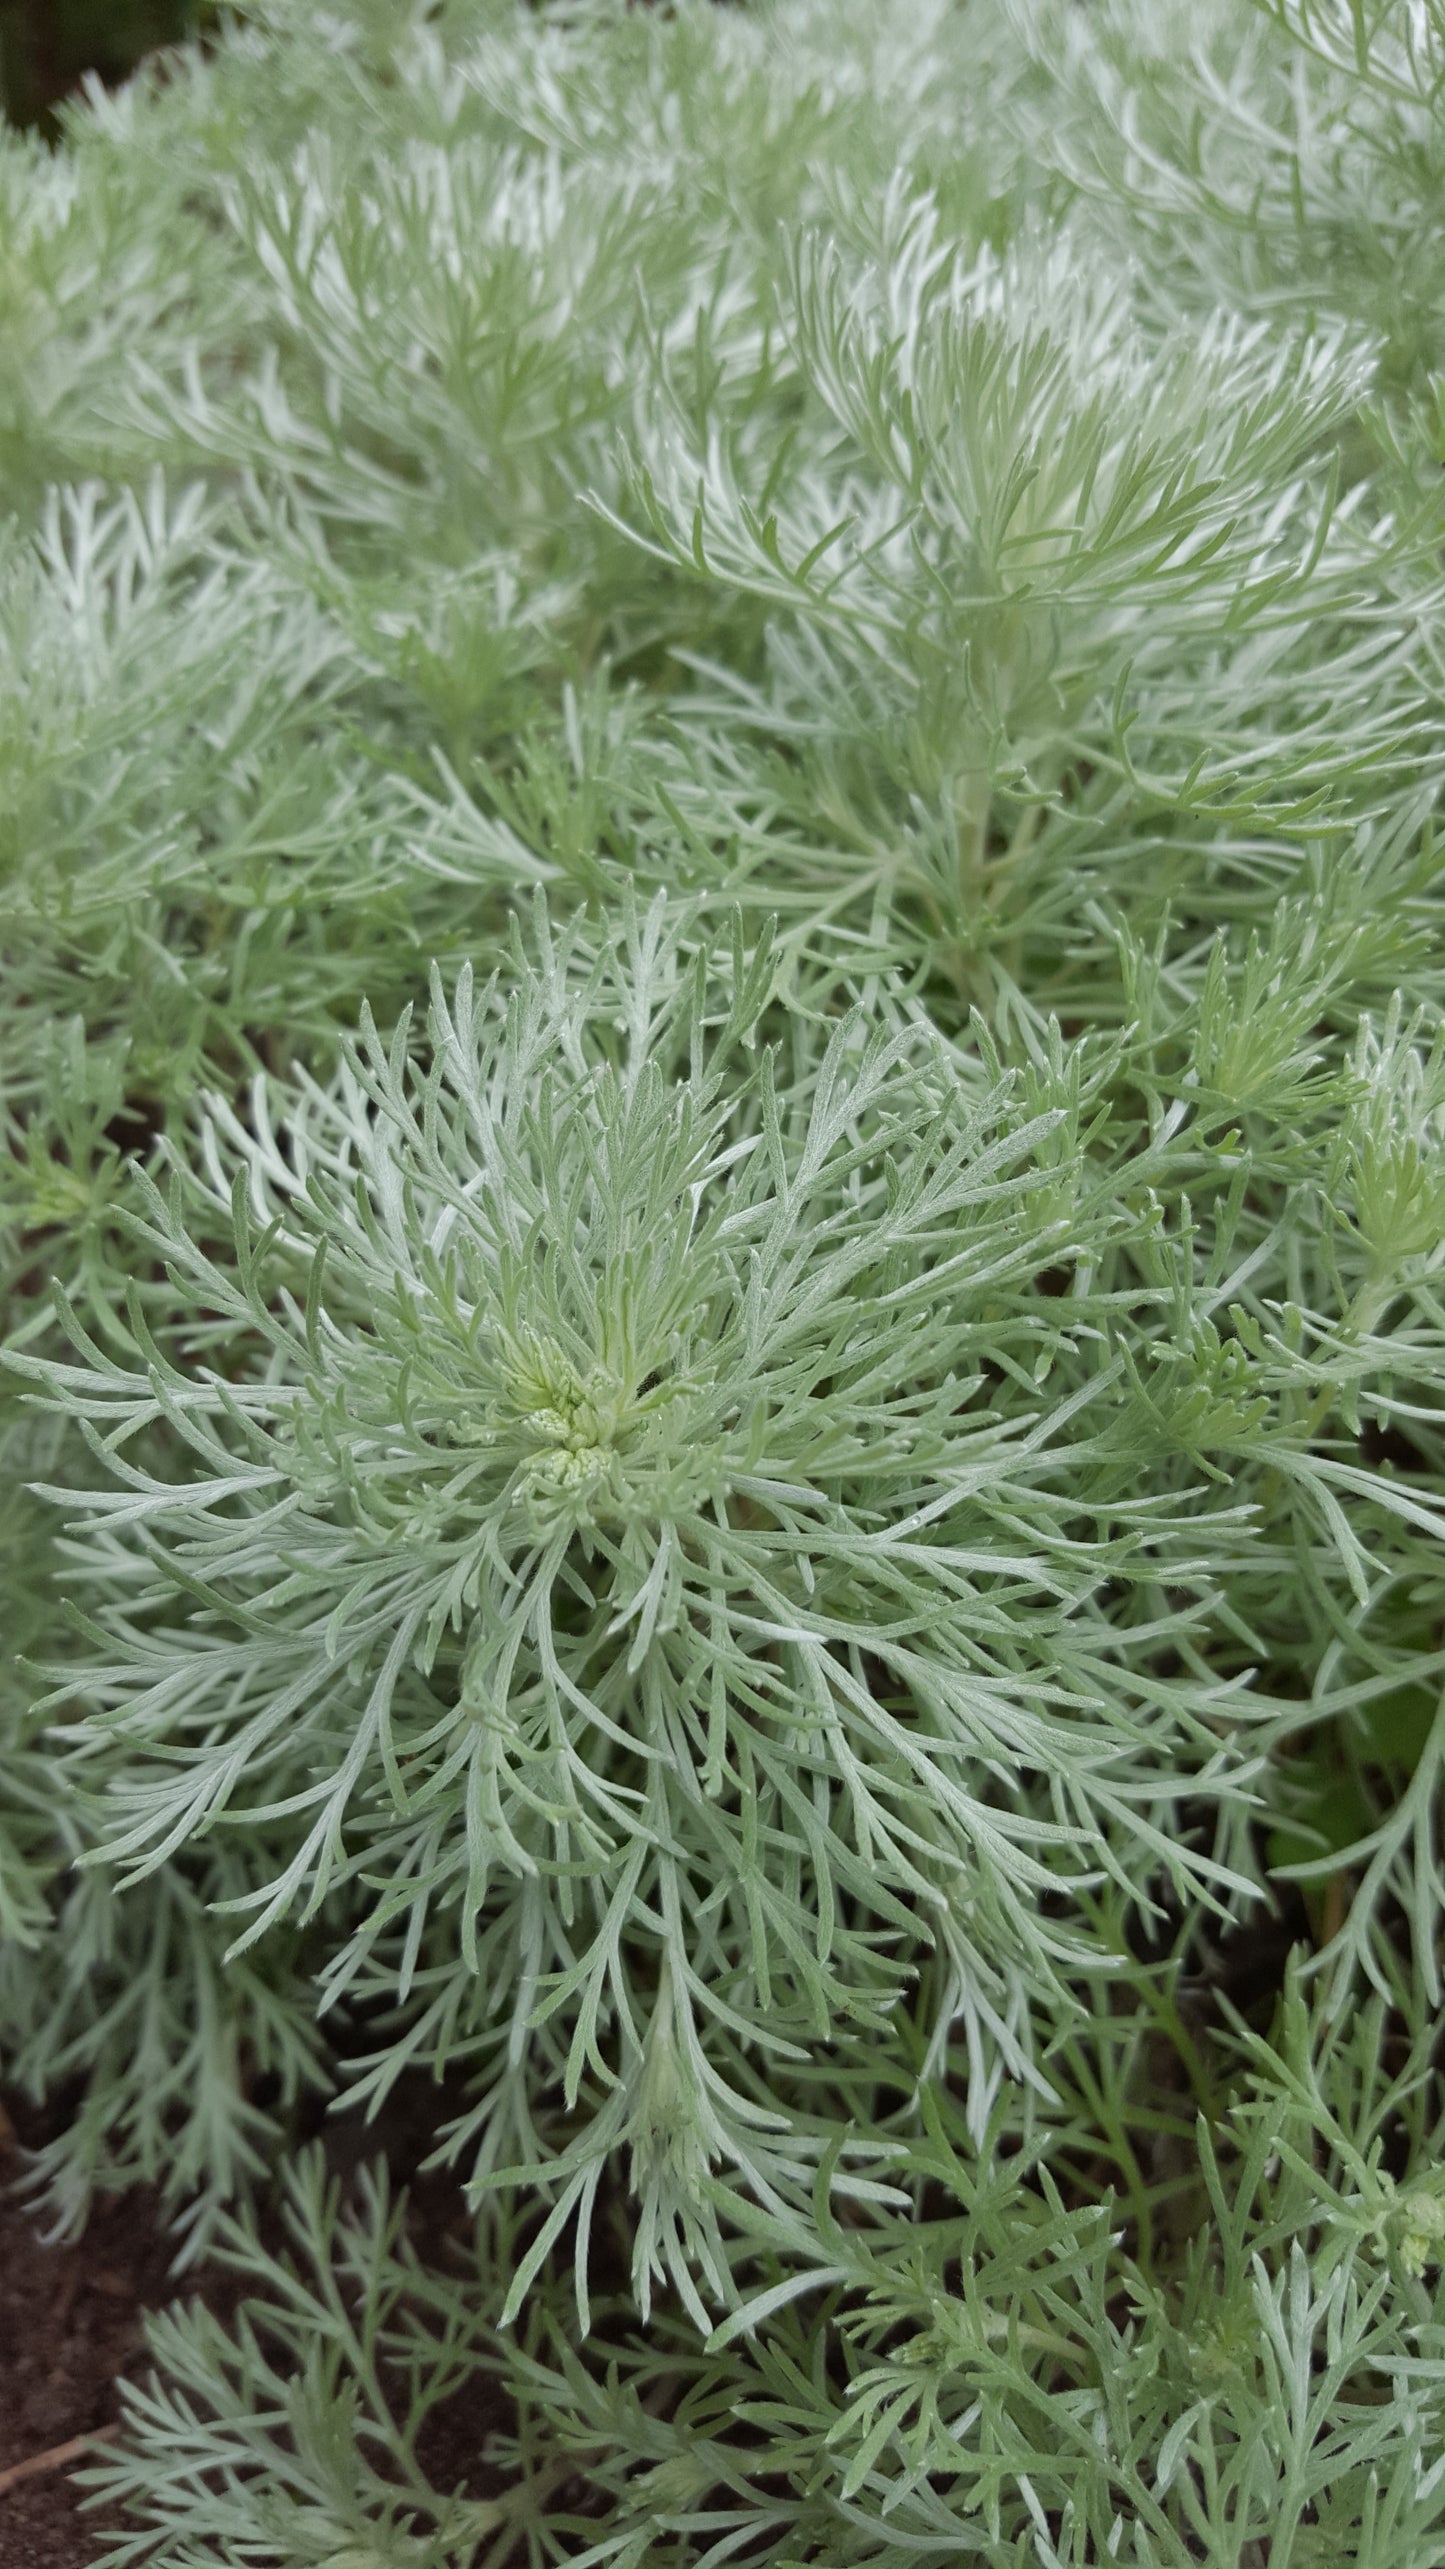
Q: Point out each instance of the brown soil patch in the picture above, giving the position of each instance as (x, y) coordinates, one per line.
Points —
(70, 2321)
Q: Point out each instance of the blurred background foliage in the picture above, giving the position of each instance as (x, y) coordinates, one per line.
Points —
(48, 46)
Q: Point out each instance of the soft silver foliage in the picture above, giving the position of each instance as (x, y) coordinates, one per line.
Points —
(764, 1537)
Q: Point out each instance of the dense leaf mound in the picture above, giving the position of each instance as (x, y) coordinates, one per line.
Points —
(723, 1232)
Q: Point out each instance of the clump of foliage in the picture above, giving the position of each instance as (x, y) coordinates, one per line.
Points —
(722, 1218)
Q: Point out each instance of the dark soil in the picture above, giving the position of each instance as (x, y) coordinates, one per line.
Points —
(48, 46)
(70, 2321)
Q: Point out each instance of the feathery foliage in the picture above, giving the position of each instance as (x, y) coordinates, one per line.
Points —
(722, 1063)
